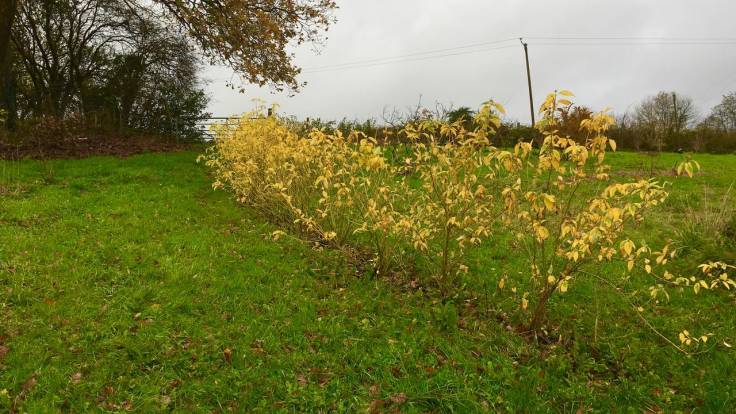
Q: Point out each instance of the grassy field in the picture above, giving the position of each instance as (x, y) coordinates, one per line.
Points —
(129, 285)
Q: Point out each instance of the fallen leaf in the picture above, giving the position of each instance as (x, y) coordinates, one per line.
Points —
(257, 346)
(76, 378)
(398, 398)
(29, 384)
(227, 354)
(165, 400)
(376, 406)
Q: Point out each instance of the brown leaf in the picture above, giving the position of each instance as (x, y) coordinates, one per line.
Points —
(3, 351)
(76, 378)
(165, 400)
(29, 384)
(376, 406)
(257, 346)
(398, 398)
(227, 354)
(302, 379)
(374, 390)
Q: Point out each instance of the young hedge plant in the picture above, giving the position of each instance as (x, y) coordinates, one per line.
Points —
(563, 229)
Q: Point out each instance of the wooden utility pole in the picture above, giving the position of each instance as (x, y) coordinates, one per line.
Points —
(528, 80)
(675, 115)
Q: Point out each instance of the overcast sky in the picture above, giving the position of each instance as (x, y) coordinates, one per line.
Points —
(618, 74)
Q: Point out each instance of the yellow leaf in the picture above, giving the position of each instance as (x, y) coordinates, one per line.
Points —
(542, 233)
(502, 283)
(689, 170)
(627, 246)
(549, 201)
(565, 92)
(277, 234)
(524, 303)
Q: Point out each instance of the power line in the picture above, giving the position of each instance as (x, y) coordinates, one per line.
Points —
(568, 40)
(428, 52)
(634, 43)
(386, 62)
(655, 38)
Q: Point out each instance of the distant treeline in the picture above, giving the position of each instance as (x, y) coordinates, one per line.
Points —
(670, 122)
(663, 122)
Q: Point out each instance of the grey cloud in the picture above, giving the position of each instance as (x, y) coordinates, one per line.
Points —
(618, 75)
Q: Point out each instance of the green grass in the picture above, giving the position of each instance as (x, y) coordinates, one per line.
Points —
(128, 284)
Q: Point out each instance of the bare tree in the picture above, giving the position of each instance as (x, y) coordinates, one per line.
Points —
(723, 115)
(61, 45)
(664, 114)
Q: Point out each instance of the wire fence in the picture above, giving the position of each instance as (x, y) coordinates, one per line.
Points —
(204, 125)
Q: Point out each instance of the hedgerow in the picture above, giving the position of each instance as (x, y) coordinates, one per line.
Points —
(452, 190)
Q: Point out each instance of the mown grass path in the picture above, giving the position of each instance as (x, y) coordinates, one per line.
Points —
(128, 284)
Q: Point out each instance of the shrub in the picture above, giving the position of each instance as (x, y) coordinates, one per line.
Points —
(452, 207)
(450, 192)
(330, 187)
(561, 229)
(344, 190)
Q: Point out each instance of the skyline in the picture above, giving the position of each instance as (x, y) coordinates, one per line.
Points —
(633, 53)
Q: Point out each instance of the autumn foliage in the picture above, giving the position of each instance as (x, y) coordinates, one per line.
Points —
(451, 190)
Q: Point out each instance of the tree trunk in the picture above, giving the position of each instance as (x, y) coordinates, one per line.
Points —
(8, 94)
(8, 10)
(540, 311)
